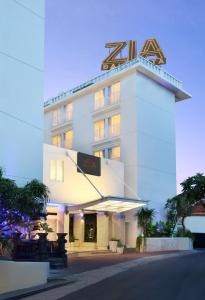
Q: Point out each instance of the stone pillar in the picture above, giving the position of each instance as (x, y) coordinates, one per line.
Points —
(66, 228)
(79, 225)
(43, 246)
(132, 230)
(102, 231)
(61, 248)
(60, 219)
(118, 227)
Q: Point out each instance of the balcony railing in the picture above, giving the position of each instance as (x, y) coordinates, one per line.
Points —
(68, 143)
(114, 130)
(114, 98)
(99, 103)
(61, 120)
(99, 134)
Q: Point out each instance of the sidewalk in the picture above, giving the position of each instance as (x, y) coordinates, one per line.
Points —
(86, 271)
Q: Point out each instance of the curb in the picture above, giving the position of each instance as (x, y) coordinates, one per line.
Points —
(19, 294)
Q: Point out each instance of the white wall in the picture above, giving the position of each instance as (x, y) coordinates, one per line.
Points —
(195, 224)
(21, 88)
(155, 136)
(21, 275)
(75, 189)
(168, 244)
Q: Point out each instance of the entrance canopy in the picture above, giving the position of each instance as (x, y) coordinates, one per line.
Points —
(109, 204)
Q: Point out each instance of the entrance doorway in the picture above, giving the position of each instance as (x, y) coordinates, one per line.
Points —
(90, 233)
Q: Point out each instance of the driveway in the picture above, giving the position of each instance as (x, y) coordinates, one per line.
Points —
(176, 278)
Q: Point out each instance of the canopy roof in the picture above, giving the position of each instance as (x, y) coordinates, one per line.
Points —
(109, 204)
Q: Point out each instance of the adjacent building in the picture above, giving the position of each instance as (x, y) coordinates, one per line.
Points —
(126, 115)
(21, 88)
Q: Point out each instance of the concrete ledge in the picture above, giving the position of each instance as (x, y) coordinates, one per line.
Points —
(168, 244)
(22, 275)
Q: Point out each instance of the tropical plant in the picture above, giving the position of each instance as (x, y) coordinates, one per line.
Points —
(20, 205)
(160, 229)
(45, 227)
(181, 233)
(181, 206)
(140, 242)
(145, 217)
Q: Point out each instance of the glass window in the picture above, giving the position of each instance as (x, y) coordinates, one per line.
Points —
(99, 130)
(99, 99)
(56, 117)
(57, 170)
(115, 93)
(68, 139)
(114, 153)
(114, 125)
(100, 153)
(56, 140)
(68, 112)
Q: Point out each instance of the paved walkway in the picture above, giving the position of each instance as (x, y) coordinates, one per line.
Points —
(86, 263)
(93, 276)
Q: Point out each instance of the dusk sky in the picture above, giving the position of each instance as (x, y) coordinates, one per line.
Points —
(76, 32)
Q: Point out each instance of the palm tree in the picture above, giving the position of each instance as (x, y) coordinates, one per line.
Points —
(145, 217)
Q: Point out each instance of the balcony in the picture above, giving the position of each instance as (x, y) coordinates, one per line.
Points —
(62, 121)
(68, 144)
(114, 130)
(99, 134)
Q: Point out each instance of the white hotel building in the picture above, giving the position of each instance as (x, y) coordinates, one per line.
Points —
(125, 116)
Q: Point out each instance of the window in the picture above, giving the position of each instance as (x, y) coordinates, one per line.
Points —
(56, 140)
(56, 117)
(99, 130)
(99, 99)
(115, 93)
(68, 112)
(100, 153)
(114, 153)
(114, 125)
(57, 170)
(68, 139)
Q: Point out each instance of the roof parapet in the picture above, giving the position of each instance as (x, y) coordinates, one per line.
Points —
(139, 60)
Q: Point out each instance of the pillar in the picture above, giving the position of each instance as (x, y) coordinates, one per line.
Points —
(102, 231)
(60, 219)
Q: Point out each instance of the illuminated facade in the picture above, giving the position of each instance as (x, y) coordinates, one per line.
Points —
(126, 114)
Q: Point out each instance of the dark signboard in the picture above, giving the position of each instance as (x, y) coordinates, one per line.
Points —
(89, 164)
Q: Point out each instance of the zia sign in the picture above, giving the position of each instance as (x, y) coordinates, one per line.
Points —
(151, 50)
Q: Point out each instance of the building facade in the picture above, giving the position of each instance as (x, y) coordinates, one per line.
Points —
(21, 88)
(126, 114)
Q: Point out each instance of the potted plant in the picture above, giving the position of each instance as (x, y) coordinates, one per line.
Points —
(120, 247)
(113, 244)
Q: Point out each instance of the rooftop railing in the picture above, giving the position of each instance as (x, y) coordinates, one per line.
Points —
(139, 60)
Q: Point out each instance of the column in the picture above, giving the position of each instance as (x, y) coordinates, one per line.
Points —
(60, 219)
(102, 231)
(118, 227)
(66, 228)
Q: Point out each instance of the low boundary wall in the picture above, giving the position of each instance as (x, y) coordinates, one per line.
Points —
(20, 275)
(168, 244)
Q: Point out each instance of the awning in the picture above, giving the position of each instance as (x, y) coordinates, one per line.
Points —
(109, 204)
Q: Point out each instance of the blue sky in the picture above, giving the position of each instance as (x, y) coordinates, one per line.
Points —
(76, 32)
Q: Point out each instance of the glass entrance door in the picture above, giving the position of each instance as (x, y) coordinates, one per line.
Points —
(90, 234)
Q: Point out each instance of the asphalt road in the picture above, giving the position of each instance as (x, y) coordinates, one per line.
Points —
(177, 278)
